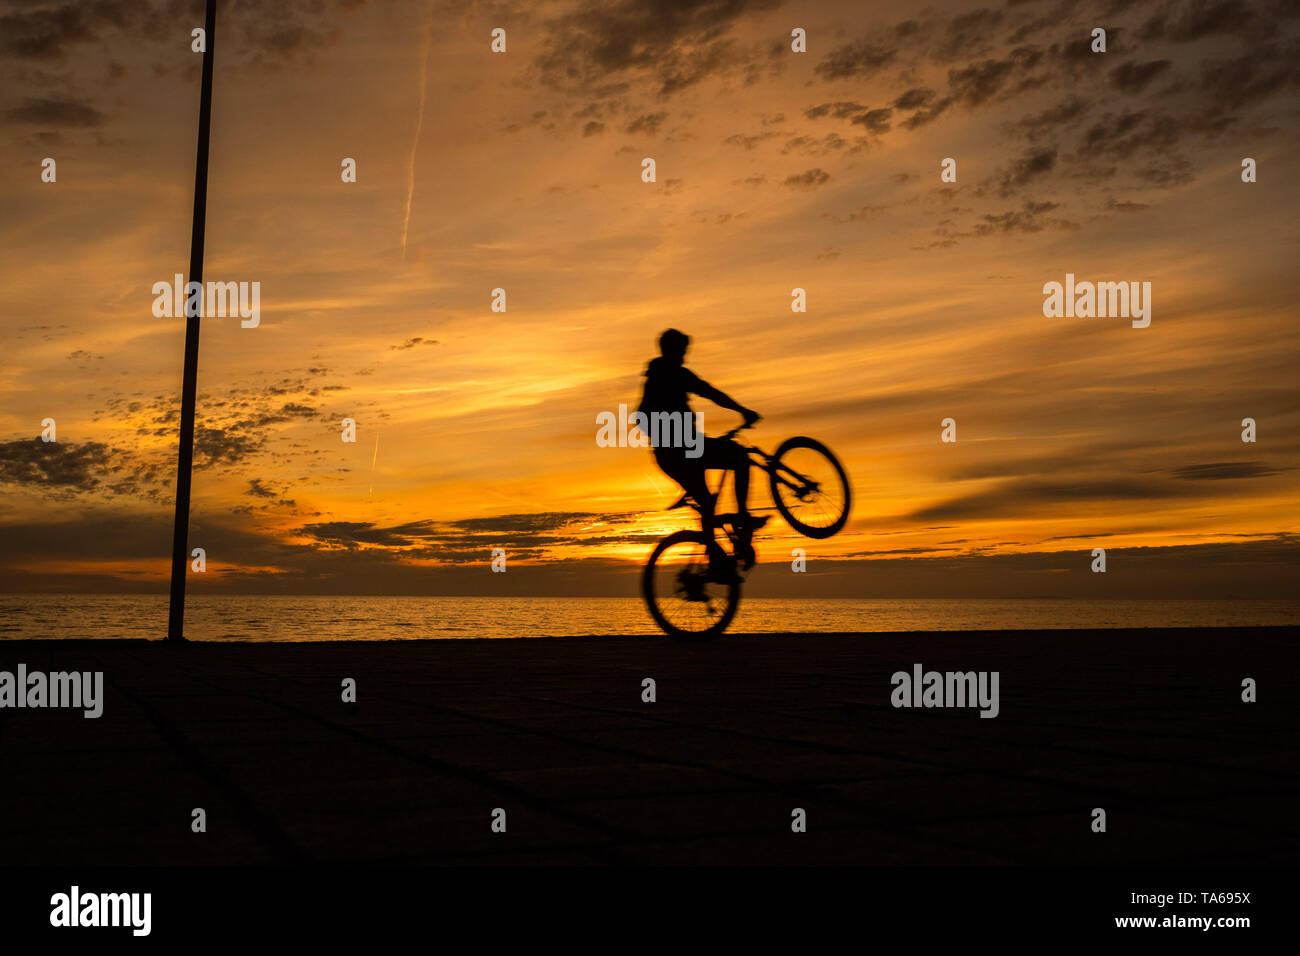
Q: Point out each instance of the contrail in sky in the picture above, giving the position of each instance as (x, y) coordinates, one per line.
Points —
(374, 459)
(419, 122)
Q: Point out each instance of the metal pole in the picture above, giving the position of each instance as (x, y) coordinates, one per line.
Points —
(189, 380)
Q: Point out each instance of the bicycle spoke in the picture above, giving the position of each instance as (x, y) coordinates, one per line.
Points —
(682, 591)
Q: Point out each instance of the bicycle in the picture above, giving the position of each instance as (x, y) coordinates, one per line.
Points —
(691, 584)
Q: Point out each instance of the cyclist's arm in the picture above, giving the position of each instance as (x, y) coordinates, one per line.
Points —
(719, 397)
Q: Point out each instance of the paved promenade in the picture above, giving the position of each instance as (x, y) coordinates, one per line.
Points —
(1146, 724)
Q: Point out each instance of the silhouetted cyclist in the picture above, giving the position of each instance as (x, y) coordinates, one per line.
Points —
(667, 383)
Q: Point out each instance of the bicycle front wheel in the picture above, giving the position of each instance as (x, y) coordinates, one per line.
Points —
(682, 592)
(809, 487)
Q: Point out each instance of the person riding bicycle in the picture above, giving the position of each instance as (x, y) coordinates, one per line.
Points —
(667, 383)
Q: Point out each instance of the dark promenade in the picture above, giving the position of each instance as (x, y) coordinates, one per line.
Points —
(1148, 725)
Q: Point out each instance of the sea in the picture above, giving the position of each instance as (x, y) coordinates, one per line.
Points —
(338, 618)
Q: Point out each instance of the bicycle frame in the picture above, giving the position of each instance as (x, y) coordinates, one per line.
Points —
(757, 458)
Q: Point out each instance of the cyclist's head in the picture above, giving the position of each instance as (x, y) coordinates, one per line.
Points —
(672, 345)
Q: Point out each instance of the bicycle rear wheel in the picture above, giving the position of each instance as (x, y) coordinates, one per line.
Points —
(809, 487)
(680, 593)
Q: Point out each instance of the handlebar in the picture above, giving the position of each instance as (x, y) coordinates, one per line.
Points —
(735, 431)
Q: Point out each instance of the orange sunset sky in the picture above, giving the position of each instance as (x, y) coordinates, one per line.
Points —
(775, 170)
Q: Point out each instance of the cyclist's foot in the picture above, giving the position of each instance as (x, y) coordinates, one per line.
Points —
(722, 567)
(745, 554)
(745, 540)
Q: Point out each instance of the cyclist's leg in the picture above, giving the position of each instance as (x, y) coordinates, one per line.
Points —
(725, 453)
(689, 473)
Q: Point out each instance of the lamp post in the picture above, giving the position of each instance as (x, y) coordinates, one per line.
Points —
(185, 449)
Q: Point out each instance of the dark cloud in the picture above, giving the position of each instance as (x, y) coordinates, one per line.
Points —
(840, 110)
(1252, 78)
(1032, 164)
(1134, 77)
(809, 179)
(914, 98)
(928, 115)
(859, 60)
(830, 143)
(353, 534)
(408, 344)
(877, 121)
(469, 540)
(268, 31)
(1127, 206)
(66, 469)
(968, 34)
(46, 32)
(1031, 217)
(599, 44)
(1045, 122)
(1222, 470)
(749, 142)
(981, 82)
(646, 123)
(1039, 496)
(1130, 132)
(258, 488)
(69, 466)
(1173, 171)
(529, 523)
(1190, 20)
(224, 446)
(65, 113)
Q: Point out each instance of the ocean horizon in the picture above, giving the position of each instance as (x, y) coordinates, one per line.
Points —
(306, 618)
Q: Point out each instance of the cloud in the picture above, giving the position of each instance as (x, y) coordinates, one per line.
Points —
(598, 44)
(412, 343)
(980, 82)
(749, 142)
(858, 60)
(840, 110)
(1252, 78)
(1134, 77)
(967, 35)
(61, 465)
(65, 113)
(646, 123)
(1031, 496)
(353, 534)
(914, 98)
(1198, 19)
(1223, 470)
(223, 446)
(877, 121)
(809, 179)
(269, 31)
(1029, 218)
(1033, 163)
(1130, 132)
(1045, 122)
(1127, 206)
(45, 33)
